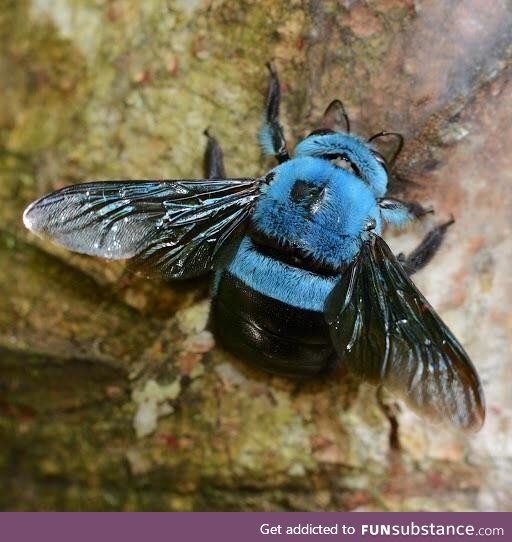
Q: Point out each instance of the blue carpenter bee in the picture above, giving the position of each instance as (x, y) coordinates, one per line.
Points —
(303, 282)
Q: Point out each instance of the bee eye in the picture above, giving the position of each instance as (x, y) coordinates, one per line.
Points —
(381, 160)
(341, 161)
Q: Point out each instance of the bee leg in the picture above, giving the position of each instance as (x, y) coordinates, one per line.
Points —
(426, 250)
(213, 161)
(271, 135)
(391, 411)
(399, 213)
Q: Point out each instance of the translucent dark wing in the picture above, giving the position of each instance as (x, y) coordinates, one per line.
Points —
(387, 333)
(176, 227)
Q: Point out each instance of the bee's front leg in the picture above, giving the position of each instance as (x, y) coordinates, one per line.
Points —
(272, 138)
(399, 213)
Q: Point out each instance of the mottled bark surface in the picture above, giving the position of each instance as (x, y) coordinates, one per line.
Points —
(111, 396)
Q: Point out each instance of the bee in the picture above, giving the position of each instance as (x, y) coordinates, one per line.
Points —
(303, 282)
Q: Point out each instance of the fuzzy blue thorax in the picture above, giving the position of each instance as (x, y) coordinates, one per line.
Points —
(357, 151)
(317, 208)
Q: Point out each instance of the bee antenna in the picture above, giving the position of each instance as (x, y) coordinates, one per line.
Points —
(334, 115)
(400, 138)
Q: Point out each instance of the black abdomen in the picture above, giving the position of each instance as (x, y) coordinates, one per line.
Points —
(277, 337)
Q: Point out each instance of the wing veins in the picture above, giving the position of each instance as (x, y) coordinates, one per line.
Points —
(395, 338)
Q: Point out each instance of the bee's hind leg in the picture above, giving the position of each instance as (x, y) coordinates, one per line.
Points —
(213, 161)
(272, 140)
(426, 250)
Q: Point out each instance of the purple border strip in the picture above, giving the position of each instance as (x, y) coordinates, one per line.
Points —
(249, 527)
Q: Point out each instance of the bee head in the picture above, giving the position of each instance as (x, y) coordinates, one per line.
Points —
(350, 153)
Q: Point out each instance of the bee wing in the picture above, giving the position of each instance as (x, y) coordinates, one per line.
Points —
(175, 227)
(386, 332)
